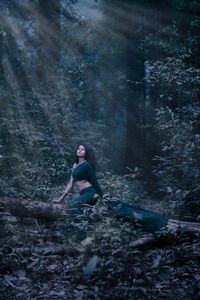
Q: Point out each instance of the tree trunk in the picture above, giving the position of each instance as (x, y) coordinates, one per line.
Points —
(2, 75)
(141, 145)
(135, 92)
(49, 39)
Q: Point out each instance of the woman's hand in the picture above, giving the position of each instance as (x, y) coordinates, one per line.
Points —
(106, 197)
(59, 200)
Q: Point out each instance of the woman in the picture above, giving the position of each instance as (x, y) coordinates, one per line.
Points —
(84, 177)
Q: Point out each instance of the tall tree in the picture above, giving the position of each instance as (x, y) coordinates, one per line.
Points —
(1, 58)
(147, 16)
(135, 91)
(49, 39)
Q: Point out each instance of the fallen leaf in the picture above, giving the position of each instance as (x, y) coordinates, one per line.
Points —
(88, 241)
(91, 265)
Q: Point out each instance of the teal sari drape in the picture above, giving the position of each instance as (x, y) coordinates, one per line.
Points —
(147, 220)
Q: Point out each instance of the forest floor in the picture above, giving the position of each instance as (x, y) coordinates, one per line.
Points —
(36, 263)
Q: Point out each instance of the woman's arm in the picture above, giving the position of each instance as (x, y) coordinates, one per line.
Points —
(68, 188)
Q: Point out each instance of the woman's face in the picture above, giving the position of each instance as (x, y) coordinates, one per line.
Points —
(81, 151)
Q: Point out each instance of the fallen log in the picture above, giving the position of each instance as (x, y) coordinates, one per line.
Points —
(51, 212)
(175, 225)
(23, 208)
(184, 223)
(48, 251)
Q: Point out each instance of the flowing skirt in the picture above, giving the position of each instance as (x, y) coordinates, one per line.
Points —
(147, 220)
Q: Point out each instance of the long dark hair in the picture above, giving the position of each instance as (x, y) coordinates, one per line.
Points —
(89, 154)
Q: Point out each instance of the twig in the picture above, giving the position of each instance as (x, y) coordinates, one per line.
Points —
(14, 286)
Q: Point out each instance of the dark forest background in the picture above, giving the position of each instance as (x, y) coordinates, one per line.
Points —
(122, 75)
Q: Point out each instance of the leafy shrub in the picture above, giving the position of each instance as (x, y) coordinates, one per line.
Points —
(178, 166)
(35, 153)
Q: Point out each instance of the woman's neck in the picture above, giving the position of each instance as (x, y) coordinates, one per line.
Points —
(81, 160)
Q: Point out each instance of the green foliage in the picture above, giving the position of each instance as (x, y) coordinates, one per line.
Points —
(178, 166)
(34, 155)
(174, 73)
(177, 69)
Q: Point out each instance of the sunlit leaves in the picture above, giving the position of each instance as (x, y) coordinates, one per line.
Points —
(173, 72)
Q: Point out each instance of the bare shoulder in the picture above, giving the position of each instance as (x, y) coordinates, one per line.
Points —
(74, 165)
